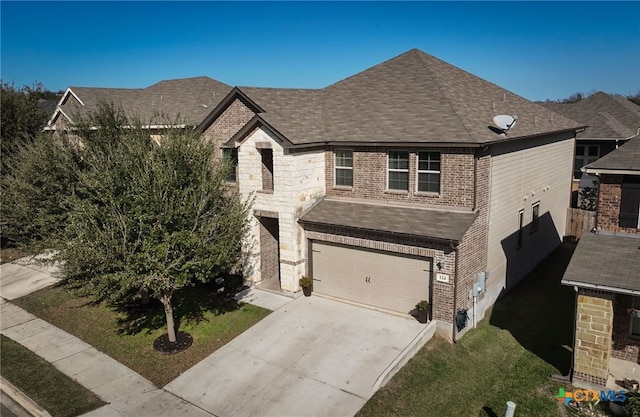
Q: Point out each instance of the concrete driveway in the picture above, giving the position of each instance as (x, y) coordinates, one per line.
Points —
(312, 357)
(26, 275)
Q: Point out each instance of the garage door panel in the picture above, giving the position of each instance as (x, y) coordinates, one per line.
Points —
(380, 279)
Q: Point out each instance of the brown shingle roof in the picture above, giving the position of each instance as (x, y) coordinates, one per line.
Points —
(191, 99)
(412, 98)
(609, 116)
(409, 221)
(625, 158)
(605, 261)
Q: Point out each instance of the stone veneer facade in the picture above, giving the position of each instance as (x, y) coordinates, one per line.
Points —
(594, 323)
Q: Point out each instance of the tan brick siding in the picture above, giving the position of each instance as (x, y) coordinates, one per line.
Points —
(229, 122)
(370, 177)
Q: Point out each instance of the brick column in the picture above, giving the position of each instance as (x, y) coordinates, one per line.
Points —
(594, 323)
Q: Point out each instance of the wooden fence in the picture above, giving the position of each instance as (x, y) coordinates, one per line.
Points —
(579, 221)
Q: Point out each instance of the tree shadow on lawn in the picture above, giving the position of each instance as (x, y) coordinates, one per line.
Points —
(189, 304)
(539, 311)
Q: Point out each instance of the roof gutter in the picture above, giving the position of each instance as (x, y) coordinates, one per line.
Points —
(577, 130)
(600, 287)
(598, 171)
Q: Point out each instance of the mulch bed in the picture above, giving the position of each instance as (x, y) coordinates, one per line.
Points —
(164, 346)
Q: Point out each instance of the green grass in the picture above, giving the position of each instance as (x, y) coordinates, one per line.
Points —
(60, 395)
(127, 334)
(509, 357)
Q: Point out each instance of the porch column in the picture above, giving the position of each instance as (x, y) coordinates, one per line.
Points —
(594, 324)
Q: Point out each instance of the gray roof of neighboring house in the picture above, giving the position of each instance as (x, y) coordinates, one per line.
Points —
(409, 221)
(605, 262)
(412, 98)
(609, 116)
(625, 158)
(190, 99)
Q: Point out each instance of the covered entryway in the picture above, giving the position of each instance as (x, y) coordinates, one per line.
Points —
(386, 280)
(269, 253)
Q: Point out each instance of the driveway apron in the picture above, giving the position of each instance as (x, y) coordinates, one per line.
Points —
(312, 357)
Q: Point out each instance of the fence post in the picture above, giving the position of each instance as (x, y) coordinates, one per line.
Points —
(511, 408)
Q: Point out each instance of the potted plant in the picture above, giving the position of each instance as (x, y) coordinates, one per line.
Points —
(306, 283)
(421, 311)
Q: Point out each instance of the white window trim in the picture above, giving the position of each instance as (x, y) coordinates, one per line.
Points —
(419, 171)
(395, 190)
(335, 168)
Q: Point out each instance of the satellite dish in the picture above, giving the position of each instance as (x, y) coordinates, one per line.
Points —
(504, 121)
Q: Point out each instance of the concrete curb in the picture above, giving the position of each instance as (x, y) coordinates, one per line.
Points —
(21, 398)
(407, 353)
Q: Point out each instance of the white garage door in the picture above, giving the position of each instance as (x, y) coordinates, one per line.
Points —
(381, 279)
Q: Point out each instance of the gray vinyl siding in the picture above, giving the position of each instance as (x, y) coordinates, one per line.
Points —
(522, 174)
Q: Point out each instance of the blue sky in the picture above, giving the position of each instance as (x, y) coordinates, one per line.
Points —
(539, 50)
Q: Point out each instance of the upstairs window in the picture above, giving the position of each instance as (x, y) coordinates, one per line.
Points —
(520, 228)
(535, 217)
(429, 171)
(398, 167)
(266, 156)
(585, 154)
(231, 156)
(630, 205)
(344, 167)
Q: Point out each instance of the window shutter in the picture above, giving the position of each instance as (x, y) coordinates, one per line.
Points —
(629, 205)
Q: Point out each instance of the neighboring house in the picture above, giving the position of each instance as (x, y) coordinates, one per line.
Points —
(612, 120)
(392, 186)
(389, 187)
(605, 271)
(178, 103)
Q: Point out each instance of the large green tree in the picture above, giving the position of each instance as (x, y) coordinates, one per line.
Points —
(152, 216)
(21, 117)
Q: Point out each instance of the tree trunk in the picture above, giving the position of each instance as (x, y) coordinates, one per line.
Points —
(145, 296)
(168, 312)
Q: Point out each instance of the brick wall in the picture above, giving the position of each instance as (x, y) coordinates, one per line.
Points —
(229, 122)
(370, 177)
(594, 322)
(624, 347)
(609, 205)
(473, 248)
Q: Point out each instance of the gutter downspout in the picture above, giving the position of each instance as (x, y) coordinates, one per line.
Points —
(455, 294)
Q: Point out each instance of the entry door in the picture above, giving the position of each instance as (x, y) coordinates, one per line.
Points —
(381, 279)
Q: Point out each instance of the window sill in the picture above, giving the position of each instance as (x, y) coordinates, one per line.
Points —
(397, 192)
(427, 194)
(265, 191)
(342, 188)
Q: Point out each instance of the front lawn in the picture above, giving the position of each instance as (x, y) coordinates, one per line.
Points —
(509, 357)
(127, 334)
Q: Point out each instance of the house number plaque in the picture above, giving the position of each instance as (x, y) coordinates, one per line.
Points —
(442, 277)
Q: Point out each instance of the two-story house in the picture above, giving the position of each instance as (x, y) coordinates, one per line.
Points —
(394, 186)
(389, 187)
(605, 272)
(612, 120)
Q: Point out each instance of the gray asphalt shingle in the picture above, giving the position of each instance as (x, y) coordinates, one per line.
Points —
(408, 221)
(625, 158)
(412, 98)
(609, 116)
(606, 261)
